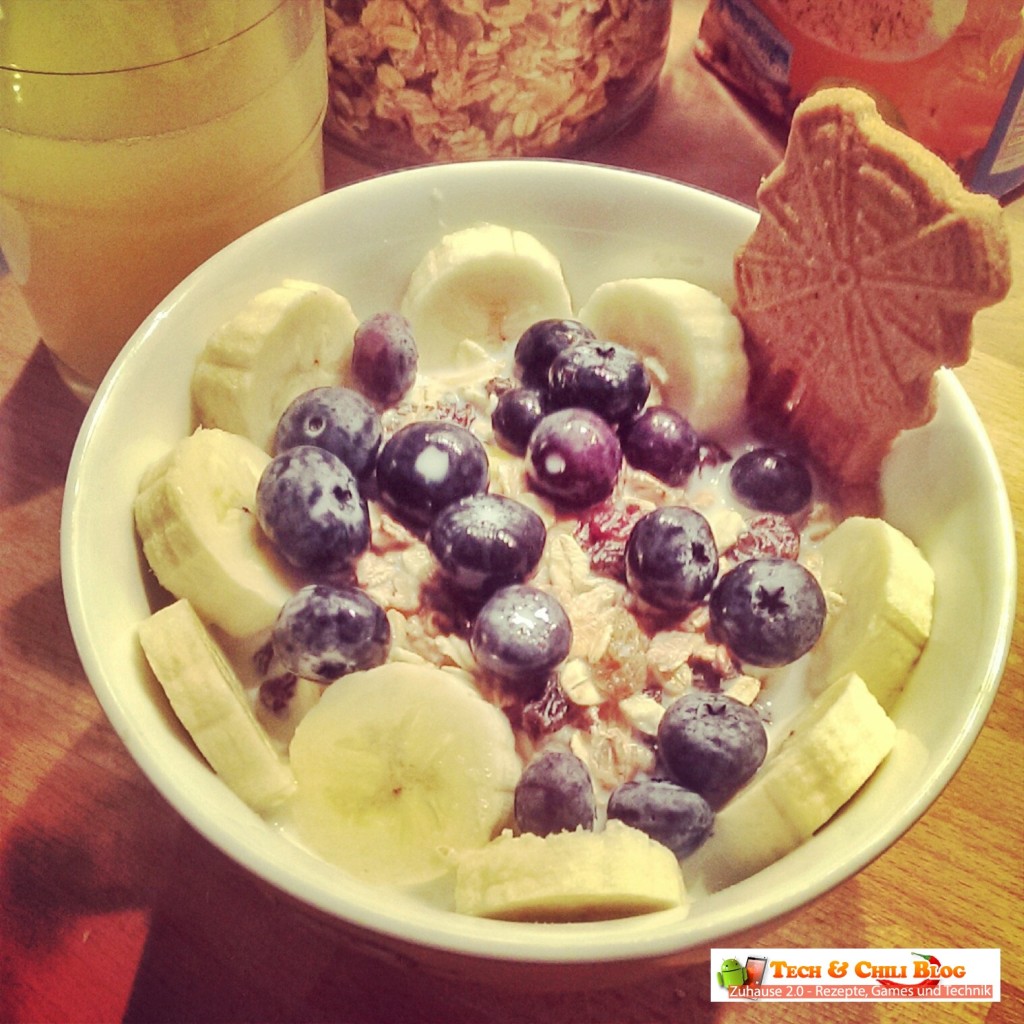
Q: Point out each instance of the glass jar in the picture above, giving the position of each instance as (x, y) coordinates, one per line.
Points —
(418, 81)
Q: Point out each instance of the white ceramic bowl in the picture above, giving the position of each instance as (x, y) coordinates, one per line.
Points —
(941, 486)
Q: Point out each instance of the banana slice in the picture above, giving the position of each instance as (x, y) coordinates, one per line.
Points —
(690, 332)
(569, 876)
(833, 748)
(194, 513)
(398, 767)
(881, 594)
(207, 696)
(287, 340)
(484, 284)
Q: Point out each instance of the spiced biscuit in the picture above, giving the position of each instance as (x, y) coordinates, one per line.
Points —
(860, 280)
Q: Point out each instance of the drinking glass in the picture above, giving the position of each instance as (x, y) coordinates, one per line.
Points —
(138, 137)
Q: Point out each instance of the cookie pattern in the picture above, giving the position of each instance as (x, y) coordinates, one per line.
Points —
(861, 279)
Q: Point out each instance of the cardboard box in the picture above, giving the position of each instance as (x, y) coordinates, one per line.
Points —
(948, 72)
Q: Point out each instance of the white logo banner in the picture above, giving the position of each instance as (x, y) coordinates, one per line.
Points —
(855, 975)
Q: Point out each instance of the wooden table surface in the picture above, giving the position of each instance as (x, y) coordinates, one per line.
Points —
(112, 908)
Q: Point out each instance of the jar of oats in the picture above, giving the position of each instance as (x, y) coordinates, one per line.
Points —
(417, 81)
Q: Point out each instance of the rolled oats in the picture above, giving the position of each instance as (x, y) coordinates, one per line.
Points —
(612, 752)
(577, 683)
(745, 689)
(417, 81)
(643, 712)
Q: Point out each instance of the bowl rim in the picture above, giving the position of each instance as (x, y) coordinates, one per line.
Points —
(643, 938)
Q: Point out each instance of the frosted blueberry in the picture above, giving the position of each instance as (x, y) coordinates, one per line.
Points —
(324, 632)
(309, 504)
(337, 419)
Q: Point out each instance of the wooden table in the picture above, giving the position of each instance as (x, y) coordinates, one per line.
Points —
(111, 907)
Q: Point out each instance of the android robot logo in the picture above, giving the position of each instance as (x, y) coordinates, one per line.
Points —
(732, 973)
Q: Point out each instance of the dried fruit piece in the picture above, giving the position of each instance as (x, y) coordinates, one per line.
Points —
(602, 532)
(768, 535)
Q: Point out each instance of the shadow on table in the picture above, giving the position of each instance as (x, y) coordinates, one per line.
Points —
(39, 422)
(223, 948)
(84, 855)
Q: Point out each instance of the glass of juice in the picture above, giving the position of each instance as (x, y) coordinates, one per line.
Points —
(138, 137)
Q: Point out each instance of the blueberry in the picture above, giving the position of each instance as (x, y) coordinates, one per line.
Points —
(309, 504)
(770, 480)
(767, 611)
(671, 560)
(674, 816)
(429, 464)
(520, 634)
(573, 458)
(487, 541)
(540, 343)
(336, 419)
(516, 414)
(384, 357)
(661, 441)
(554, 794)
(598, 375)
(324, 632)
(711, 744)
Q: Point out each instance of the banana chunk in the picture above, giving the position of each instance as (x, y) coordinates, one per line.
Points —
(284, 342)
(195, 516)
(207, 696)
(398, 768)
(484, 284)
(569, 876)
(690, 332)
(833, 748)
(881, 592)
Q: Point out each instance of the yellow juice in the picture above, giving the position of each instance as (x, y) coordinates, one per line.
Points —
(114, 185)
